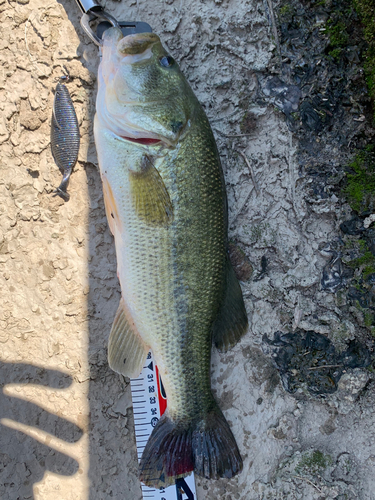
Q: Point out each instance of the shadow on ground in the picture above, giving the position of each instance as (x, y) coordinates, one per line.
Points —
(26, 460)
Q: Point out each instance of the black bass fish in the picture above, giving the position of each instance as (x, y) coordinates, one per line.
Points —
(65, 137)
(166, 206)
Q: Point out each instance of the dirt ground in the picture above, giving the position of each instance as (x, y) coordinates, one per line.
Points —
(66, 424)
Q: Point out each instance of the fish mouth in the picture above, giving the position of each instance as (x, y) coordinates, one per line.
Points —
(142, 137)
(137, 136)
(145, 141)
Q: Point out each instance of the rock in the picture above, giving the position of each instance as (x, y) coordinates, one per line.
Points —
(240, 262)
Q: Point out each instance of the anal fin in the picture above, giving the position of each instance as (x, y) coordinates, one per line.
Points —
(231, 322)
(126, 350)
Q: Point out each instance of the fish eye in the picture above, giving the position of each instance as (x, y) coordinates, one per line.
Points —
(166, 61)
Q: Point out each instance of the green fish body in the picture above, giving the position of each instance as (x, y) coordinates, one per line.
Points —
(166, 206)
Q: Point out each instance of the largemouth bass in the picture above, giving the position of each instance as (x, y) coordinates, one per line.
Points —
(166, 206)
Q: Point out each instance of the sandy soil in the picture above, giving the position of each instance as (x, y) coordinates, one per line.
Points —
(66, 425)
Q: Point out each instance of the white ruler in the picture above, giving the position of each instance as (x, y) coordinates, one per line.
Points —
(149, 404)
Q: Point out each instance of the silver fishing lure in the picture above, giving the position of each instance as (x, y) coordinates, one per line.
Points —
(65, 138)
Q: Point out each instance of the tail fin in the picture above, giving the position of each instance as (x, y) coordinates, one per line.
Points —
(173, 450)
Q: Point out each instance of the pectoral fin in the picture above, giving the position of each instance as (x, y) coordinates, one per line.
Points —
(231, 322)
(149, 195)
(126, 350)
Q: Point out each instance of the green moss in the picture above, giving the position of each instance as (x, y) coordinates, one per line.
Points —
(363, 245)
(369, 318)
(360, 189)
(314, 461)
(335, 53)
(365, 10)
(366, 259)
(338, 27)
(286, 10)
(338, 36)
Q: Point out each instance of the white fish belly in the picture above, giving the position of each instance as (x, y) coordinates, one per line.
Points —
(145, 269)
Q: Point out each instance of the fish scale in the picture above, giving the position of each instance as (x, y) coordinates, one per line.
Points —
(65, 138)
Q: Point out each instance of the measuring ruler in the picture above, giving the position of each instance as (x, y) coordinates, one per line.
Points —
(149, 404)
